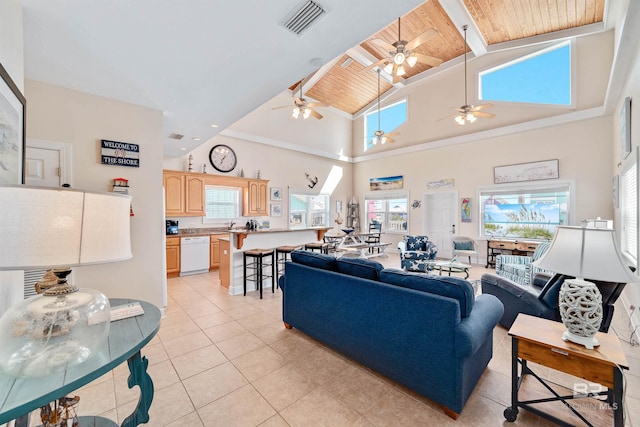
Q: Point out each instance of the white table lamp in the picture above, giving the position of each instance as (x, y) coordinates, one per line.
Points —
(58, 228)
(584, 252)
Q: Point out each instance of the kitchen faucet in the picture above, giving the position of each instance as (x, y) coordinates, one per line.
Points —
(231, 224)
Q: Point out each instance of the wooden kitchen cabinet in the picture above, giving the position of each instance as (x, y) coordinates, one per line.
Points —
(214, 251)
(225, 262)
(183, 193)
(255, 197)
(173, 256)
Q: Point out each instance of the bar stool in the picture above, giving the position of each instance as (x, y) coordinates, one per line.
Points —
(283, 254)
(254, 271)
(317, 246)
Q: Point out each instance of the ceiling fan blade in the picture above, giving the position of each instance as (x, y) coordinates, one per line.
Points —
(480, 107)
(391, 140)
(426, 59)
(383, 44)
(446, 117)
(483, 114)
(315, 114)
(284, 106)
(376, 64)
(392, 133)
(421, 39)
(317, 104)
(297, 100)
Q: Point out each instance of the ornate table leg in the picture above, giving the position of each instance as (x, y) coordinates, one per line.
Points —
(140, 377)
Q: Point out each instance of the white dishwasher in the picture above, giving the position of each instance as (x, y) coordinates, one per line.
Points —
(194, 255)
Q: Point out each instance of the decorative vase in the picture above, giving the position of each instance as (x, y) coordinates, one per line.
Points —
(580, 304)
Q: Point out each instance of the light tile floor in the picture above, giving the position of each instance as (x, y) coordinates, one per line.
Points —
(222, 360)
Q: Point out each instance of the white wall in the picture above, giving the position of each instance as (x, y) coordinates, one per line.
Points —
(582, 148)
(432, 100)
(12, 59)
(81, 119)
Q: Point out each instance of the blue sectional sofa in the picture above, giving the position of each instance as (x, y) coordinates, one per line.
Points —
(427, 332)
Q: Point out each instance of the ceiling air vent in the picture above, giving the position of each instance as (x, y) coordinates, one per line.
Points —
(176, 136)
(303, 18)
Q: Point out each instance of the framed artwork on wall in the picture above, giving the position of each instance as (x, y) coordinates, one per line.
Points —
(276, 194)
(465, 209)
(12, 131)
(625, 128)
(276, 209)
(534, 171)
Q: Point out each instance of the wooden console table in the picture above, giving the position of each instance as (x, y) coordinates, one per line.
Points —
(540, 341)
(19, 396)
(496, 247)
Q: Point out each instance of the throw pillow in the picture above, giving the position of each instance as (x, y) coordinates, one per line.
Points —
(364, 268)
(463, 246)
(416, 243)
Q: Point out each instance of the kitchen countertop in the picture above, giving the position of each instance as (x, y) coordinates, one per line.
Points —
(197, 232)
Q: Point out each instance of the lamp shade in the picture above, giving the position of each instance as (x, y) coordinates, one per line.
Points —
(54, 227)
(589, 253)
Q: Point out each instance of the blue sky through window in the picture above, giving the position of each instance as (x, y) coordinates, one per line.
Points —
(542, 78)
(390, 118)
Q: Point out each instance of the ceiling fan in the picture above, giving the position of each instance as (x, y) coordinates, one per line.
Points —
(380, 136)
(302, 108)
(469, 113)
(401, 54)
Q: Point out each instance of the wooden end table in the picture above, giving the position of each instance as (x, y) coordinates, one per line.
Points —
(540, 341)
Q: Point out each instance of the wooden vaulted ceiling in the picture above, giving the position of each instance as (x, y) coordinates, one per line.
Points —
(345, 87)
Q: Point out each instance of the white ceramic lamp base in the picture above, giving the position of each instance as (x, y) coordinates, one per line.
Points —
(580, 304)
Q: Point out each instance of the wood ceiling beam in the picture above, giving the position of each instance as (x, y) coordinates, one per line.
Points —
(460, 16)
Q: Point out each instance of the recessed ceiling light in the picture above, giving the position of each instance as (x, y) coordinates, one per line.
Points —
(195, 138)
(214, 126)
(183, 148)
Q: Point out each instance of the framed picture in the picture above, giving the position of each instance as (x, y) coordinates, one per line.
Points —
(465, 209)
(615, 183)
(276, 194)
(276, 209)
(534, 171)
(12, 131)
(387, 183)
(625, 128)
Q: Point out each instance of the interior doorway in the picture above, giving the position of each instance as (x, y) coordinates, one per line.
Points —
(47, 163)
(440, 220)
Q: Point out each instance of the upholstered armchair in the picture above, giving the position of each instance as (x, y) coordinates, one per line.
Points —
(417, 253)
(518, 268)
(464, 246)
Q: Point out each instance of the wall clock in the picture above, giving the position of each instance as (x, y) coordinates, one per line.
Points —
(223, 158)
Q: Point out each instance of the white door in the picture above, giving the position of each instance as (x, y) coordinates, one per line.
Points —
(440, 220)
(42, 167)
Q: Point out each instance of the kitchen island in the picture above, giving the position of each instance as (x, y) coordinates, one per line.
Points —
(242, 240)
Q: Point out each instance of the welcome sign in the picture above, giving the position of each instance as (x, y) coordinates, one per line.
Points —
(120, 153)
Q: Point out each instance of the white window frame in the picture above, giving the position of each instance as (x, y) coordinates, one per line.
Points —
(211, 220)
(526, 187)
(386, 195)
(629, 186)
(307, 217)
(572, 75)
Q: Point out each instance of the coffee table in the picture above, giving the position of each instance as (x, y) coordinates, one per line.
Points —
(452, 267)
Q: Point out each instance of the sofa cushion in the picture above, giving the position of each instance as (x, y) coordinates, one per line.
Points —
(450, 287)
(364, 268)
(314, 259)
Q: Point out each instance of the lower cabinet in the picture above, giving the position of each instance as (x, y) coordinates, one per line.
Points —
(214, 251)
(173, 256)
(225, 263)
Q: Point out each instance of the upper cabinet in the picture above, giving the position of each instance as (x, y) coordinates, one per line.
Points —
(255, 196)
(183, 193)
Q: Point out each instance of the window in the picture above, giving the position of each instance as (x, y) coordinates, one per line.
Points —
(221, 203)
(629, 208)
(388, 209)
(391, 117)
(306, 210)
(540, 78)
(529, 212)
